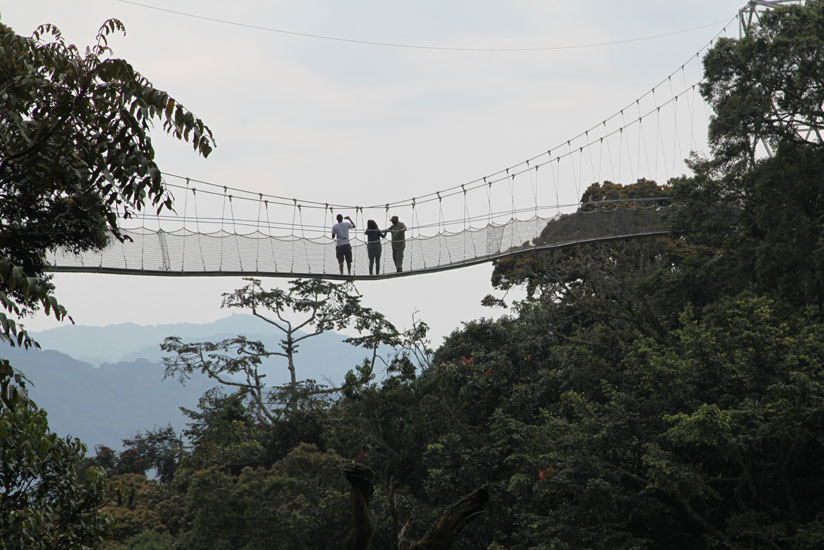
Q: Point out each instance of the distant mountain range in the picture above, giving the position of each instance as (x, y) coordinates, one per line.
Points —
(104, 384)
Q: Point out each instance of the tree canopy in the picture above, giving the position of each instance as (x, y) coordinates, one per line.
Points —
(664, 392)
(76, 156)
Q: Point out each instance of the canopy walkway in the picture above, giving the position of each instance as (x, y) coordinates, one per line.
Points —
(218, 230)
(187, 253)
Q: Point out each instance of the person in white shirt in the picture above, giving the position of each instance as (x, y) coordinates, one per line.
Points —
(343, 249)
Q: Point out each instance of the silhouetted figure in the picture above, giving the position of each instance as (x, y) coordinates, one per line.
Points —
(343, 249)
(398, 232)
(374, 246)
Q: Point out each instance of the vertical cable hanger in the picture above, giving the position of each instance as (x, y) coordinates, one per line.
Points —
(271, 237)
(591, 160)
(220, 235)
(443, 232)
(294, 212)
(554, 183)
(625, 137)
(642, 139)
(536, 215)
(689, 102)
(465, 216)
(385, 225)
(676, 150)
(489, 201)
(609, 157)
(468, 226)
(621, 154)
(235, 233)
(258, 234)
(514, 215)
(143, 232)
(303, 236)
(417, 224)
(575, 179)
(355, 223)
(323, 228)
(197, 228)
(185, 206)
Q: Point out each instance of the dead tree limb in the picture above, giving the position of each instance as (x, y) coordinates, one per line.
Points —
(440, 537)
(444, 534)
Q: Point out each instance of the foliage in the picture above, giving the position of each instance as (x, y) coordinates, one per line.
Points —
(656, 393)
(614, 195)
(75, 153)
(76, 149)
(767, 86)
(695, 444)
(142, 510)
(280, 507)
(48, 499)
(148, 540)
(12, 383)
(159, 449)
(319, 305)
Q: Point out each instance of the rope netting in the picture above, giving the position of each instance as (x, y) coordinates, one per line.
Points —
(226, 230)
(157, 252)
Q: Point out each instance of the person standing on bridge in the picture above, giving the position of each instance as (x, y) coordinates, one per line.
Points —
(398, 231)
(343, 248)
(374, 246)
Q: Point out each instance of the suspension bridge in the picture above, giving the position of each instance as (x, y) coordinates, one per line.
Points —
(221, 230)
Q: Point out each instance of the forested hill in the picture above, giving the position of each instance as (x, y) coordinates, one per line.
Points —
(104, 405)
(128, 341)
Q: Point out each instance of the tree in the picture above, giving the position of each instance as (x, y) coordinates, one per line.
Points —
(712, 440)
(319, 305)
(75, 157)
(75, 142)
(143, 507)
(298, 502)
(75, 154)
(602, 293)
(441, 536)
(225, 435)
(159, 449)
(148, 540)
(767, 86)
(749, 213)
(49, 499)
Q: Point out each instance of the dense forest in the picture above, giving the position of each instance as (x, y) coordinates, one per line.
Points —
(663, 392)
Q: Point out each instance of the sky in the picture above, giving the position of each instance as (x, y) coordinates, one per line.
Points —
(339, 120)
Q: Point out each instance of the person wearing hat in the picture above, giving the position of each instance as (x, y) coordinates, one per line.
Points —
(398, 232)
(343, 249)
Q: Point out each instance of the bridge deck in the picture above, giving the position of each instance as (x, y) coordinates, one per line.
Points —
(187, 254)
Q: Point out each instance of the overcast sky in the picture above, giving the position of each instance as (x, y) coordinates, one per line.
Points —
(338, 121)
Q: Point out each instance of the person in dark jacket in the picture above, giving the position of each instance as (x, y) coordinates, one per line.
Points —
(374, 246)
(398, 232)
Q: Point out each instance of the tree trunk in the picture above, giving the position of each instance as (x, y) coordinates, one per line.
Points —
(361, 479)
(293, 379)
(440, 537)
